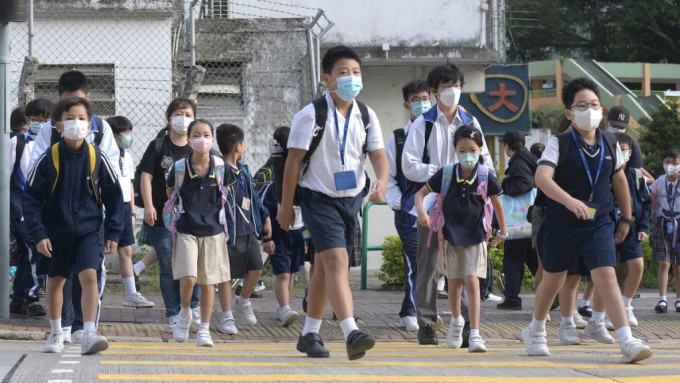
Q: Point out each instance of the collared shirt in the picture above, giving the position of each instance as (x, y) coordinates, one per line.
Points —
(393, 195)
(660, 189)
(439, 147)
(325, 160)
(243, 224)
(126, 167)
(551, 154)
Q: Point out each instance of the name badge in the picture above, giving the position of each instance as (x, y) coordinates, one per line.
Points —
(345, 180)
(245, 205)
(306, 235)
(669, 227)
(592, 209)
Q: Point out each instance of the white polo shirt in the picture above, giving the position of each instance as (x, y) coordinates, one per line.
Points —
(325, 160)
(126, 168)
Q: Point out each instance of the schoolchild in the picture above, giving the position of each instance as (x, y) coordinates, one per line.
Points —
(666, 218)
(399, 197)
(329, 189)
(248, 221)
(63, 202)
(122, 133)
(17, 121)
(577, 225)
(467, 226)
(30, 271)
(199, 254)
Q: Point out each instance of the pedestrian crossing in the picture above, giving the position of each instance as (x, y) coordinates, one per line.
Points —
(388, 362)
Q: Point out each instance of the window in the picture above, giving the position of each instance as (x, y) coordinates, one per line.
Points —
(100, 77)
(221, 92)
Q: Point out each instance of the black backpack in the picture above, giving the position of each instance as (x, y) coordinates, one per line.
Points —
(55, 136)
(139, 201)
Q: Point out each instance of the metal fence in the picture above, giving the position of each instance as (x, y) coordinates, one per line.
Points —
(250, 70)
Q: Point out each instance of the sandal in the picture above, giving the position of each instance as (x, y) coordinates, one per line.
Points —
(662, 306)
(677, 305)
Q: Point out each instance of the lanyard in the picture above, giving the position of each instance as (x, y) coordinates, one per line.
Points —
(120, 162)
(671, 201)
(343, 142)
(585, 164)
(237, 173)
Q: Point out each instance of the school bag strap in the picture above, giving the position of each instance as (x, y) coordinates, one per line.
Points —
(483, 191)
(19, 150)
(94, 162)
(436, 212)
(225, 206)
(173, 207)
(428, 133)
(399, 141)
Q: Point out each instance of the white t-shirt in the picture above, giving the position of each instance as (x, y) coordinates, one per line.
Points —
(325, 160)
(126, 167)
(393, 194)
(659, 188)
(551, 154)
(25, 156)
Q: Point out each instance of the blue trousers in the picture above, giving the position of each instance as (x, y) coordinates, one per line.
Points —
(408, 234)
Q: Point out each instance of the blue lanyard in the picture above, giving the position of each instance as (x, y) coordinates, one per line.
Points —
(237, 173)
(343, 142)
(671, 201)
(585, 164)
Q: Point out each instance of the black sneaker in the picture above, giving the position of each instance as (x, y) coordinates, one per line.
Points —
(137, 282)
(254, 294)
(466, 336)
(556, 303)
(33, 309)
(312, 345)
(661, 307)
(585, 311)
(358, 342)
(426, 335)
(16, 307)
(508, 306)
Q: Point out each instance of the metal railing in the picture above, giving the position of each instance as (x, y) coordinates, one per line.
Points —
(365, 248)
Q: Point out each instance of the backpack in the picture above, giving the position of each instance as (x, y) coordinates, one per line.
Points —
(21, 144)
(95, 159)
(320, 117)
(399, 142)
(139, 201)
(436, 212)
(98, 122)
(173, 208)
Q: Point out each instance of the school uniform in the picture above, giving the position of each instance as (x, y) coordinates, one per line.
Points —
(126, 168)
(330, 212)
(566, 243)
(289, 246)
(665, 220)
(630, 248)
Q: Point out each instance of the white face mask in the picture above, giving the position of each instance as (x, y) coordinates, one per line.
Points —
(180, 124)
(616, 130)
(450, 96)
(76, 129)
(588, 119)
(671, 170)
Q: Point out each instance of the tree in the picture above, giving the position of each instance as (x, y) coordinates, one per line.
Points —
(660, 133)
(547, 117)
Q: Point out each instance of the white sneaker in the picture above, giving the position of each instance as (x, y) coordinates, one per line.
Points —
(259, 286)
(598, 332)
(93, 343)
(494, 298)
(77, 336)
(172, 323)
(228, 326)
(288, 317)
(181, 332)
(277, 312)
(608, 323)
(136, 300)
(568, 334)
(548, 319)
(203, 339)
(245, 311)
(195, 318)
(55, 342)
(410, 323)
(66, 332)
(476, 344)
(634, 351)
(535, 342)
(579, 321)
(454, 338)
(632, 320)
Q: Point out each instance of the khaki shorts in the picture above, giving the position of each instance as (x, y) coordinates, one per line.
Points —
(204, 258)
(462, 261)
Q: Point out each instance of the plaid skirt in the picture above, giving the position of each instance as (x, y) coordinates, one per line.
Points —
(663, 248)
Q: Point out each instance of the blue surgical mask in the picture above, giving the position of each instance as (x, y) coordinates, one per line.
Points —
(35, 127)
(420, 107)
(625, 157)
(468, 160)
(349, 87)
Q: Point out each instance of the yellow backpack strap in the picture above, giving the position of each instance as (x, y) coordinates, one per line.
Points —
(55, 162)
(93, 163)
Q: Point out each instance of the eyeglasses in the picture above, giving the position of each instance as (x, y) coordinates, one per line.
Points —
(585, 105)
(419, 99)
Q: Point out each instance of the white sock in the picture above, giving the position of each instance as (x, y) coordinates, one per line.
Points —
(628, 301)
(284, 308)
(204, 327)
(138, 267)
(56, 326)
(243, 301)
(185, 312)
(440, 285)
(537, 325)
(88, 326)
(568, 320)
(584, 303)
(474, 332)
(598, 316)
(129, 284)
(624, 334)
(348, 325)
(663, 298)
(311, 325)
(457, 321)
(227, 314)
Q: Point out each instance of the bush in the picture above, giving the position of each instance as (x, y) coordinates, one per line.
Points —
(496, 255)
(392, 269)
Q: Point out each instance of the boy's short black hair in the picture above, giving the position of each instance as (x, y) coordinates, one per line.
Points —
(227, 136)
(17, 119)
(672, 153)
(537, 149)
(469, 131)
(335, 54)
(200, 121)
(119, 124)
(576, 85)
(413, 87)
(281, 136)
(67, 103)
(443, 74)
(41, 107)
(179, 103)
(73, 81)
(623, 138)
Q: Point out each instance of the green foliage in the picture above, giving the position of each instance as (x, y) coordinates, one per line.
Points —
(547, 117)
(496, 255)
(392, 269)
(660, 133)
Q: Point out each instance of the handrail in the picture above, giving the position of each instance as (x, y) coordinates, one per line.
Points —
(364, 243)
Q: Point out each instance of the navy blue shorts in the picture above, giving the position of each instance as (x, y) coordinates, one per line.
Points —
(127, 237)
(630, 248)
(574, 249)
(289, 252)
(331, 221)
(244, 255)
(74, 255)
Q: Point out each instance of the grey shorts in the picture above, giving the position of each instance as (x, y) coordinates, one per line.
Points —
(245, 255)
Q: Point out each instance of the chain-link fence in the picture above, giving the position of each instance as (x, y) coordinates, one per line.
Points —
(252, 70)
